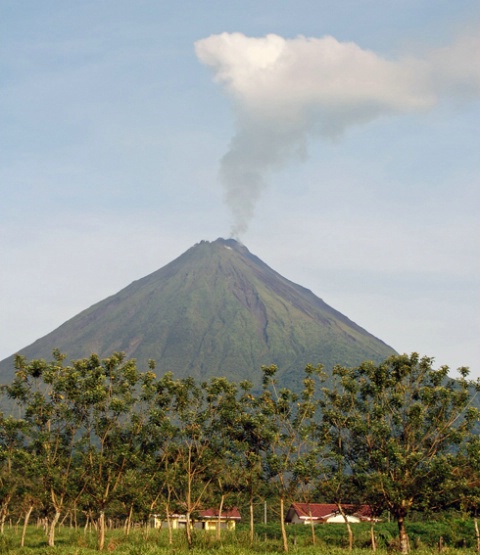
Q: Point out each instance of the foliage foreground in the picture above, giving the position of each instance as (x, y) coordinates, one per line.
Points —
(446, 536)
(100, 443)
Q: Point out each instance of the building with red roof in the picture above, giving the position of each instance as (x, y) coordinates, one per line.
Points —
(321, 513)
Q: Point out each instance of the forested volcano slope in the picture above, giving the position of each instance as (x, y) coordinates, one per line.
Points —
(217, 310)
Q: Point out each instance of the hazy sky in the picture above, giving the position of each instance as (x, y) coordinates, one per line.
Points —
(338, 139)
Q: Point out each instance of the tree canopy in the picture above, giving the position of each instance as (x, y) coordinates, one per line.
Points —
(98, 439)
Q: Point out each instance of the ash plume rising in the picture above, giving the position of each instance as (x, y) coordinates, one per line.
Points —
(287, 91)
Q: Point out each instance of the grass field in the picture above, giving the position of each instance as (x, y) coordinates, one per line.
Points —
(452, 536)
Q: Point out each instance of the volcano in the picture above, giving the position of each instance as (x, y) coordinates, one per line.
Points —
(216, 310)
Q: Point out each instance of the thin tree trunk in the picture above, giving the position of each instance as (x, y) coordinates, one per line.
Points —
(477, 533)
(252, 530)
(312, 525)
(146, 530)
(45, 526)
(188, 530)
(101, 531)
(25, 524)
(3, 517)
(51, 529)
(4, 511)
(222, 499)
(373, 541)
(402, 534)
(347, 524)
(169, 522)
(282, 524)
(128, 523)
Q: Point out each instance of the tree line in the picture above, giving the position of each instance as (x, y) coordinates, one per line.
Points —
(97, 439)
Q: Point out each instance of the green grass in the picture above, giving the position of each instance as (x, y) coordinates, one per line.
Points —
(457, 537)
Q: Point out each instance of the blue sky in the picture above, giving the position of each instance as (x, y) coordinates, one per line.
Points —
(115, 117)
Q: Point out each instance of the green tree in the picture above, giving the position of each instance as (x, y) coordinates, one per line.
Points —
(195, 442)
(43, 391)
(137, 492)
(465, 482)
(337, 414)
(13, 456)
(223, 406)
(290, 429)
(245, 428)
(106, 396)
(407, 419)
(159, 452)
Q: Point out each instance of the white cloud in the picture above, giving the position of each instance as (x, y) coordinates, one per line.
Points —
(287, 90)
(297, 78)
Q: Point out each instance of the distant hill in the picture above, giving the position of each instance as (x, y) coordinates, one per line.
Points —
(217, 310)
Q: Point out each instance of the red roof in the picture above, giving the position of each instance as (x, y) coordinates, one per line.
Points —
(230, 514)
(314, 510)
(321, 511)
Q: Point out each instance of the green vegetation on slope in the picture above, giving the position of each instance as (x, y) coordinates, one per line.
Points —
(217, 310)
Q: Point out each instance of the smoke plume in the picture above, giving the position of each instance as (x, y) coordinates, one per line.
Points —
(285, 91)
